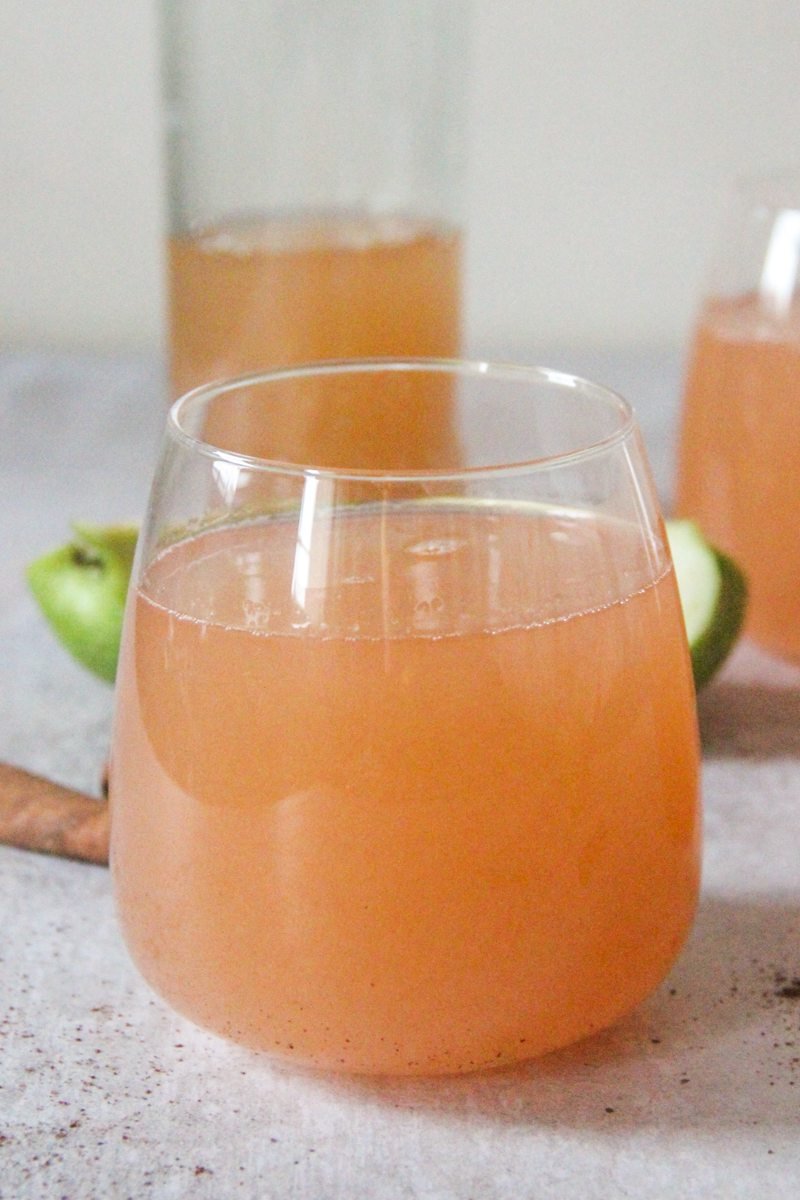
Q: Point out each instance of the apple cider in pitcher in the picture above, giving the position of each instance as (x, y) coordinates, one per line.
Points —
(254, 293)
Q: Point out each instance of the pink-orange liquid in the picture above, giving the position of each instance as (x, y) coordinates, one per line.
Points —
(739, 462)
(439, 815)
(255, 293)
(251, 294)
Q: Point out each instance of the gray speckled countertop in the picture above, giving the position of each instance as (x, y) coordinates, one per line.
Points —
(106, 1093)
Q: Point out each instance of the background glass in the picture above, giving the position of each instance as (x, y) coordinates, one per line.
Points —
(739, 461)
(405, 763)
(315, 155)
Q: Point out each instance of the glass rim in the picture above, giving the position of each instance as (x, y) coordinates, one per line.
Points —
(454, 367)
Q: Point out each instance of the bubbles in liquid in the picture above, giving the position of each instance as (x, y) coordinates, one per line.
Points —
(253, 233)
(428, 609)
(436, 547)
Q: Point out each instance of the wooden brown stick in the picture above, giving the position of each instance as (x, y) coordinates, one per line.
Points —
(37, 814)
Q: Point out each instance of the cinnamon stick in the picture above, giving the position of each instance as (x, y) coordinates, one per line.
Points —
(37, 814)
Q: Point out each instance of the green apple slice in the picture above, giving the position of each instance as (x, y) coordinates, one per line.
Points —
(713, 592)
(81, 590)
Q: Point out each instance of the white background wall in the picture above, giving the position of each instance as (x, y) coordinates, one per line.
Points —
(603, 136)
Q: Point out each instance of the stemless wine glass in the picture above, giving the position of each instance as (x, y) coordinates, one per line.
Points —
(739, 459)
(405, 761)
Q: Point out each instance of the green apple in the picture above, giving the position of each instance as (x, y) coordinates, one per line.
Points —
(81, 590)
(713, 591)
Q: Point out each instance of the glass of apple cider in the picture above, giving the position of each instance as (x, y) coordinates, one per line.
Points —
(405, 758)
(315, 160)
(739, 458)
